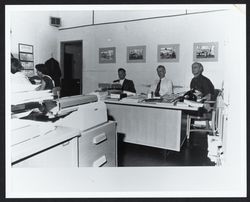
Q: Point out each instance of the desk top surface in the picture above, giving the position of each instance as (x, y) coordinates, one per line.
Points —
(177, 106)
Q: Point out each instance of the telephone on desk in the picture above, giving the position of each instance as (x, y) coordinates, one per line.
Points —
(189, 95)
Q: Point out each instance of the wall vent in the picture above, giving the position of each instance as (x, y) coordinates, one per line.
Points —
(56, 22)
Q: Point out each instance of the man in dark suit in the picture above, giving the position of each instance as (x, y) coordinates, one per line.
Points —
(127, 85)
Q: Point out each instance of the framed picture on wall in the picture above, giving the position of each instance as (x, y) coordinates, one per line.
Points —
(168, 53)
(29, 73)
(107, 55)
(26, 56)
(25, 48)
(136, 54)
(27, 65)
(205, 52)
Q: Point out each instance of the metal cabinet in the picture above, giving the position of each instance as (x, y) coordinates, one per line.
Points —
(62, 155)
(98, 146)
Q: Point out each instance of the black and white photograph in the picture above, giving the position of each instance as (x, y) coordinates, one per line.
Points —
(117, 101)
(168, 53)
(136, 54)
(25, 48)
(25, 57)
(206, 51)
(107, 55)
(27, 64)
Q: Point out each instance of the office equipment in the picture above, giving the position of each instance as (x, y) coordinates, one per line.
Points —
(76, 100)
(77, 134)
(82, 116)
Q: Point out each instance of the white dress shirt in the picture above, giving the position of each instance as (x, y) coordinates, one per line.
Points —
(20, 83)
(121, 81)
(166, 86)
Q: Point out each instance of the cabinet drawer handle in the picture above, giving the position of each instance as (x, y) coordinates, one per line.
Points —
(100, 138)
(99, 162)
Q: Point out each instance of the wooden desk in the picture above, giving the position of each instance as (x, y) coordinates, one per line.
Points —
(159, 125)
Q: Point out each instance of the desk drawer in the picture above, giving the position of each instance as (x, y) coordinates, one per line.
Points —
(97, 147)
(62, 155)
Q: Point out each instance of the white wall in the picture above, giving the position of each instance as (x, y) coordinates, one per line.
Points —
(103, 16)
(184, 30)
(33, 28)
(75, 18)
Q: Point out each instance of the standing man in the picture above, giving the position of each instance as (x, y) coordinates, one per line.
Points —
(127, 85)
(161, 86)
(201, 84)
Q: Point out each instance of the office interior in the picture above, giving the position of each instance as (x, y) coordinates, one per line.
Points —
(96, 132)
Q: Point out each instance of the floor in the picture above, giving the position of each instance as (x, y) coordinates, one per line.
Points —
(193, 153)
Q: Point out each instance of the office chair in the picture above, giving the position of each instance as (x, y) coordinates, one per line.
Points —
(212, 116)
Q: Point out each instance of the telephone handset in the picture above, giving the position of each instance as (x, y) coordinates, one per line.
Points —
(190, 95)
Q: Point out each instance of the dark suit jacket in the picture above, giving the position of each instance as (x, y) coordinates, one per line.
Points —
(128, 85)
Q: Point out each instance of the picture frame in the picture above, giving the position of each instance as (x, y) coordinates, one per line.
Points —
(27, 65)
(25, 48)
(136, 54)
(26, 56)
(207, 51)
(168, 53)
(107, 55)
(29, 72)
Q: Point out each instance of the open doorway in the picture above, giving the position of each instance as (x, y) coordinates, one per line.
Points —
(71, 62)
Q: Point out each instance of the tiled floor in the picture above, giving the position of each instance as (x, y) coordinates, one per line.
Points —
(193, 153)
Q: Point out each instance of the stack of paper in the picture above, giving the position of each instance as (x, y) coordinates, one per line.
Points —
(193, 103)
(130, 99)
(30, 96)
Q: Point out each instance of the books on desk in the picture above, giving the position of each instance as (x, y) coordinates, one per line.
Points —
(118, 95)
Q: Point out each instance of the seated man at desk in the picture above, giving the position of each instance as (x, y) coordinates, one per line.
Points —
(201, 84)
(162, 86)
(127, 85)
(203, 87)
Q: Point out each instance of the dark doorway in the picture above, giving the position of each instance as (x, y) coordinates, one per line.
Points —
(71, 60)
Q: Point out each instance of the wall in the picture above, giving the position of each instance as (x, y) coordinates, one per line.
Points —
(33, 28)
(75, 18)
(184, 30)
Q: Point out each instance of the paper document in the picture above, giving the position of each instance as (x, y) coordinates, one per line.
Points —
(30, 96)
(193, 103)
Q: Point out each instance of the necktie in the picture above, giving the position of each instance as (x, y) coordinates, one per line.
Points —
(157, 90)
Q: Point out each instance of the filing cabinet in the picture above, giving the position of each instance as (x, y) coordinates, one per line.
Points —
(98, 146)
(63, 155)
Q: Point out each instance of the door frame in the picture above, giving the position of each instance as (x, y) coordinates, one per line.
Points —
(62, 47)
